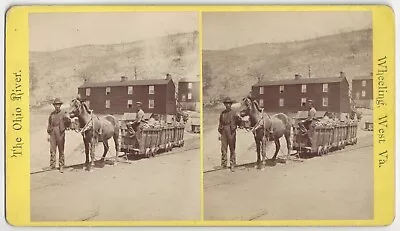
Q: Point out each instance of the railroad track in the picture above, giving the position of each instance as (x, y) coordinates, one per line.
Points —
(350, 148)
(189, 147)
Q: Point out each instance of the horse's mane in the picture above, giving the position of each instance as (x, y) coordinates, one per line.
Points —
(257, 106)
(83, 104)
(87, 108)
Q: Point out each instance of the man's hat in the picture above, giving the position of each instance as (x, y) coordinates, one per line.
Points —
(310, 101)
(57, 101)
(228, 100)
(139, 103)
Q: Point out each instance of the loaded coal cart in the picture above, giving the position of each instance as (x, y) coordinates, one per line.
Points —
(328, 135)
(149, 139)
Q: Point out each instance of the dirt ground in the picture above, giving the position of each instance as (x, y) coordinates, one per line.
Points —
(166, 187)
(336, 186)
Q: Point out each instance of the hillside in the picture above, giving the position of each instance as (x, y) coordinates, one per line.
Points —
(59, 73)
(232, 72)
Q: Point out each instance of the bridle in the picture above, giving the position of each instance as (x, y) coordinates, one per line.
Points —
(77, 104)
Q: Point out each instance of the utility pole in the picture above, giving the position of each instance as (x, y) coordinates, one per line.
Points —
(135, 73)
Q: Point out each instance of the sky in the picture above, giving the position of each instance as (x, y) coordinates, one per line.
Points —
(225, 30)
(54, 31)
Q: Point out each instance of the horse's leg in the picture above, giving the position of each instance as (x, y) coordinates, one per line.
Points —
(106, 147)
(264, 151)
(92, 152)
(86, 143)
(277, 147)
(258, 147)
(288, 143)
(116, 143)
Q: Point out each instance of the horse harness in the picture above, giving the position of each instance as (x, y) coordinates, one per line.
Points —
(88, 125)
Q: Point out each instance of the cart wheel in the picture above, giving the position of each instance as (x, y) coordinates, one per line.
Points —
(320, 151)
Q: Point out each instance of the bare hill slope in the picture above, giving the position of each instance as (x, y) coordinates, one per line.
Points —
(232, 72)
(59, 73)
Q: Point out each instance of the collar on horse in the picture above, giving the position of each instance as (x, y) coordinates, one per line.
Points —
(259, 124)
(87, 126)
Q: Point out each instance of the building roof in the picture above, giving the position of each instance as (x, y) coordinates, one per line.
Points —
(143, 82)
(362, 77)
(302, 80)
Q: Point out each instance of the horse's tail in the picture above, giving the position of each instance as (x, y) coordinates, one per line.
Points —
(114, 121)
(285, 120)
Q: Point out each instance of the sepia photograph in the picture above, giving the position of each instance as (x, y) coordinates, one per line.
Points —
(287, 115)
(114, 116)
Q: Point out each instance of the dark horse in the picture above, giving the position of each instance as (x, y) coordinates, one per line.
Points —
(266, 128)
(94, 129)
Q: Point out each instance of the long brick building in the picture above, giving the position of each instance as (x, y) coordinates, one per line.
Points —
(329, 94)
(118, 97)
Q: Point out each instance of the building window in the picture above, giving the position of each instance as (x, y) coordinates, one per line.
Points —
(151, 103)
(108, 104)
(190, 85)
(303, 88)
(108, 90)
(261, 103)
(183, 98)
(364, 83)
(87, 91)
(362, 93)
(281, 89)
(189, 95)
(325, 87)
(281, 102)
(261, 90)
(151, 90)
(325, 102)
(358, 95)
(130, 103)
(130, 90)
(303, 101)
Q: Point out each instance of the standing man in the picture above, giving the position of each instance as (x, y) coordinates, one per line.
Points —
(310, 122)
(139, 113)
(139, 125)
(56, 132)
(228, 122)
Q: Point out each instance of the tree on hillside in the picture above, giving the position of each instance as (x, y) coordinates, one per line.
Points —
(207, 76)
(257, 74)
(84, 75)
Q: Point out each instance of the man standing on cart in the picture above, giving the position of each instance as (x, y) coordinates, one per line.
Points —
(139, 124)
(309, 123)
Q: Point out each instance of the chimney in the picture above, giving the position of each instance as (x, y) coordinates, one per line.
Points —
(342, 74)
(297, 76)
(123, 78)
(168, 76)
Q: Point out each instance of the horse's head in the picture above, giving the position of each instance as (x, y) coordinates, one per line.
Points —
(245, 107)
(76, 108)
